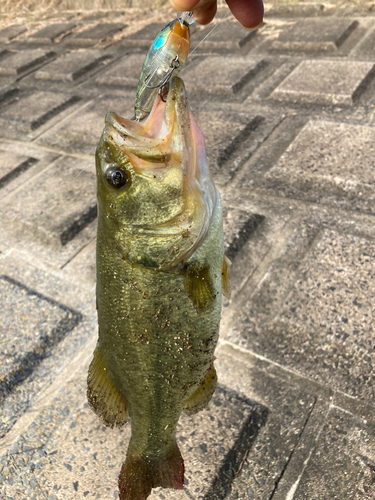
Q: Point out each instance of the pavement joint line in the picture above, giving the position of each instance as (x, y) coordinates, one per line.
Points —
(356, 416)
(259, 272)
(78, 251)
(51, 149)
(293, 489)
(67, 118)
(249, 353)
(46, 396)
(280, 477)
(7, 252)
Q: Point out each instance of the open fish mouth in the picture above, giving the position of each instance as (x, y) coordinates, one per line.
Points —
(169, 136)
(166, 160)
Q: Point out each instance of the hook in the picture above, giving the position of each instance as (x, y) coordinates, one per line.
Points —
(174, 65)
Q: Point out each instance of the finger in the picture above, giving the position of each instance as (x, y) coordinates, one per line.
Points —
(248, 12)
(205, 14)
(204, 10)
(182, 5)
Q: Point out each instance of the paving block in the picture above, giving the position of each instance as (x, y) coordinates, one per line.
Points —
(11, 32)
(123, 74)
(332, 158)
(93, 35)
(18, 163)
(325, 82)
(51, 319)
(220, 75)
(100, 15)
(26, 116)
(72, 66)
(13, 165)
(365, 48)
(342, 464)
(24, 60)
(31, 325)
(232, 134)
(51, 33)
(82, 131)
(313, 311)
(40, 210)
(82, 267)
(248, 236)
(228, 37)
(316, 34)
(66, 451)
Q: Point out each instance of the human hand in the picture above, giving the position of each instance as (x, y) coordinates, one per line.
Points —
(248, 12)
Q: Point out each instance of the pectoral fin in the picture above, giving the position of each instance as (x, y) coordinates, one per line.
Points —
(199, 286)
(103, 396)
(202, 396)
(225, 284)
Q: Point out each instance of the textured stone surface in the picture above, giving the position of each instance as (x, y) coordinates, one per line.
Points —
(59, 220)
(324, 326)
(227, 37)
(51, 33)
(342, 465)
(316, 34)
(365, 49)
(124, 73)
(7, 34)
(221, 445)
(93, 35)
(19, 163)
(325, 82)
(82, 131)
(31, 325)
(230, 75)
(72, 66)
(25, 117)
(13, 165)
(335, 158)
(22, 61)
(232, 134)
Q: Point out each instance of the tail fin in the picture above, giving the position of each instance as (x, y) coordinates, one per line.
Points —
(139, 474)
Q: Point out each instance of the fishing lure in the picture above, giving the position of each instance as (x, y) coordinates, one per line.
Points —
(165, 58)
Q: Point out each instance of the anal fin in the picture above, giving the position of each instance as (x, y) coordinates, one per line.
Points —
(103, 396)
(202, 396)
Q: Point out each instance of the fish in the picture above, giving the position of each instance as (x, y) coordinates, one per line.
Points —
(161, 270)
(166, 57)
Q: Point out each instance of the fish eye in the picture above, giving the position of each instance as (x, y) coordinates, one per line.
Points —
(116, 176)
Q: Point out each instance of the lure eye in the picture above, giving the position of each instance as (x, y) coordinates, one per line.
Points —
(116, 176)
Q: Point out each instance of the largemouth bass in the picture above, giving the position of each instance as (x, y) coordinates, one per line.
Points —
(160, 273)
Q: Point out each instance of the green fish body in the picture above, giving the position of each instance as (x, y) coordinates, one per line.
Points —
(160, 272)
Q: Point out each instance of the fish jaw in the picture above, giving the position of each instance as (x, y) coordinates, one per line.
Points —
(170, 195)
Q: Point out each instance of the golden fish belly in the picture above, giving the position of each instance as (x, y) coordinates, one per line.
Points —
(156, 344)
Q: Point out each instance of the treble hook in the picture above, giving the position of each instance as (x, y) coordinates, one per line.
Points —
(174, 65)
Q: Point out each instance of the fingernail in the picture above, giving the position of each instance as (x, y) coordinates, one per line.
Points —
(255, 27)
